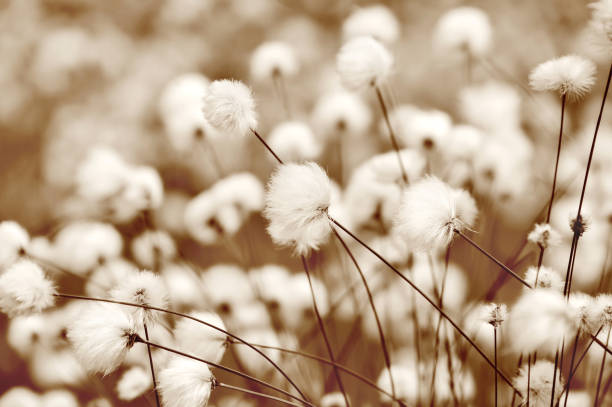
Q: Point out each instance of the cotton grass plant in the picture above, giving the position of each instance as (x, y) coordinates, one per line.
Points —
(285, 278)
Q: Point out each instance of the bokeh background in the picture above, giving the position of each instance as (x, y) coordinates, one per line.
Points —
(81, 73)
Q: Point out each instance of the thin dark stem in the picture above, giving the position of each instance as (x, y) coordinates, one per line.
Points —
(492, 258)
(529, 378)
(330, 352)
(394, 143)
(130, 304)
(580, 359)
(601, 369)
(267, 146)
(255, 393)
(574, 349)
(320, 359)
(584, 184)
(554, 380)
(495, 359)
(520, 361)
(426, 297)
(381, 335)
(279, 84)
(224, 368)
(554, 183)
(146, 331)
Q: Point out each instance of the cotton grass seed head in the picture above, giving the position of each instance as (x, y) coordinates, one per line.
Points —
(25, 288)
(185, 383)
(133, 383)
(571, 75)
(229, 107)
(101, 337)
(431, 211)
(376, 21)
(363, 62)
(143, 288)
(464, 28)
(297, 200)
(544, 235)
(271, 59)
(540, 383)
(13, 239)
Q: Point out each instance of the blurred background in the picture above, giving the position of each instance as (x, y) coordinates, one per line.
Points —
(78, 74)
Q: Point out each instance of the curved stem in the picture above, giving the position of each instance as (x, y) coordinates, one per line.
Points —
(323, 331)
(180, 314)
(266, 146)
(320, 359)
(492, 258)
(146, 331)
(383, 107)
(224, 368)
(255, 393)
(381, 335)
(601, 369)
(426, 297)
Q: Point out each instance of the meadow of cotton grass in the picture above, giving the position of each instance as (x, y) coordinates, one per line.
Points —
(307, 203)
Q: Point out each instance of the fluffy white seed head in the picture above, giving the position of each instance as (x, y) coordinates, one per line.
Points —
(144, 288)
(25, 288)
(570, 75)
(547, 278)
(341, 112)
(229, 107)
(297, 200)
(133, 383)
(540, 383)
(544, 235)
(201, 340)
(491, 106)
(101, 337)
(181, 93)
(24, 332)
(273, 58)
(333, 400)
(603, 307)
(185, 383)
(405, 381)
(152, 248)
(496, 314)
(13, 239)
(226, 287)
(252, 361)
(294, 141)
(375, 21)
(464, 28)
(586, 312)
(431, 211)
(59, 398)
(427, 130)
(184, 287)
(20, 397)
(81, 246)
(101, 174)
(601, 26)
(363, 62)
(546, 315)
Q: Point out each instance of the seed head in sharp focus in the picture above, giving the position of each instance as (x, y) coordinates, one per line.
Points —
(571, 75)
(297, 201)
(229, 107)
(430, 212)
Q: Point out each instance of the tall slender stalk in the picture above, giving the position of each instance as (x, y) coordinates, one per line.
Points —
(492, 258)
(254, 393)
(266, 146)
(281, 89)
(554, 183)
(180, 314)
(146, 331)
(601, 368)
(324, 332)
(577, 231)
(381, 334)
(138, 339)
(383, 107)
(495, 358)
(427, 298)
(569, 379)
(320, 359)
